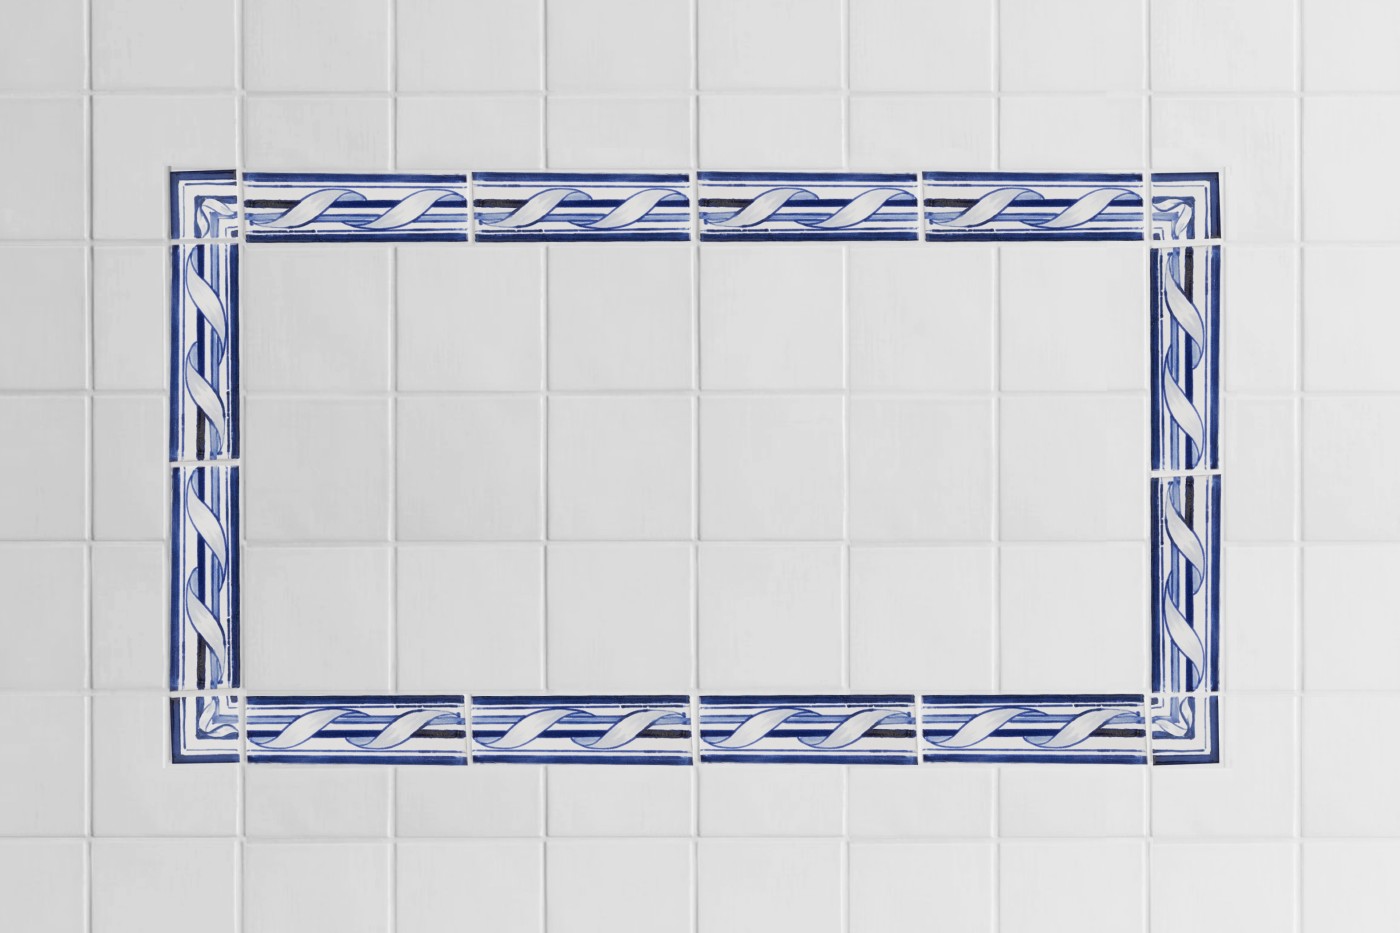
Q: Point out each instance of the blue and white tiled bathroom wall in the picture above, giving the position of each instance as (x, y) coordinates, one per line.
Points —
(838, 465)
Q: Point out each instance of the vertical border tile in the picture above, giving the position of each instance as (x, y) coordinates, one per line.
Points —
(1185, 329)
(204, 356)
(204, 585)
(1185, 583)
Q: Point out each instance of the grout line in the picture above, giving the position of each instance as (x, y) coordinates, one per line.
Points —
(996, 886)
(1150, 363)
(1300, 114)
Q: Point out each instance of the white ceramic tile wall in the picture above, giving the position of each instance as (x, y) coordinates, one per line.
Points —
(616, 413)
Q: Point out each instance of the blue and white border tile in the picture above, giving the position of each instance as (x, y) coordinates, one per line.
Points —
(576, 206)
(391, 730)
(808, 206)
(204, 585)
(862, 729)
(1185, 729)
(582, 729)
(204, 356)
(1185, 328)
(205, 729)
(1011, 206)
(203, 205)
(325, 208)
(1186, 583)
(1186, 206)
(1007, 728)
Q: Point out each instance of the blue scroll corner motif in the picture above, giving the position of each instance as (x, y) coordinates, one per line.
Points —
(205, 729)
(1185, 729)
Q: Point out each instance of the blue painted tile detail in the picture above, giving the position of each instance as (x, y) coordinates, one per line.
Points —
(203, 205)
(1186, 583)
(204, 363)
(808, 729)
(808, 206)
(321, 208)
(582, 730)
(1075, 729)
(204, 584)
(390, 730)
(564, 207)
(1185, 328)
(1186, 206)
(1007, 206)
(1185, 730)
(204, 729)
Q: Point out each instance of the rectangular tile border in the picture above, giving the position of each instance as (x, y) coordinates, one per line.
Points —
(211, 720)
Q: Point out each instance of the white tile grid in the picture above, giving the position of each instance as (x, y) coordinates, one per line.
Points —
(1339, 828)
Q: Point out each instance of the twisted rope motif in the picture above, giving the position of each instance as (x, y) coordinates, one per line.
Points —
(1176, 595)
(856, 211)
(986, 725)
(396, 732)
(210, 213)
(991, 206)
(846, 732)
(540, 205)
(210, 352)
(622, 732)
(1179, 725)
(202, 612)
(1180, 369)
(1182, 212)
(315, 205)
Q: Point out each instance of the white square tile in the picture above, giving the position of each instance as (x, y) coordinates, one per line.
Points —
(1259, 588)
(45, 611)
(589, 800)
(161, 885)
(593, 45)
(1073, 319)
(135, 142)
(770, 617)
(43, 480)
(620, 617)
(43, 765)
(1348, 885)
(1260, 341)
(454, 134)
(753, 132)
(1089, 639)
(658, 872)
(901, 886)
(921, 319)
(130, 594)
(1346, 319)
(621, 318)
(920, 802)
(608, 133)
(1071, 45)
(130, 484)
(317, 802)
(1223, 45)
(1039, 886)
(1252, 793)
(317, 134)
(1348, 784)
(1073, 468)
(470, 801)
(144, 44)
(1260, 453)
(770, 44)
(1349, 444)
(136, 791)
(469, 319)
(922, 616)
(1108, 134)
(771, 318)
(1232, 886)
(293, 887)
(131, 317)
(507, 56)
(43, 885)
(317, 318)
(620, 468)
(316, 45)
(340, 493)
(496, 885)
(53, 279)
(909, 132)
(1347, 45)
(790, 800)
(921, 470)
(1253, 139)
(771, 468)
(1086, 800)
(470, 617)
(316, 619)
(469, 468)
(889, 48)
(761, 885)
(47, 54)
(1350, 640)
(44, 188)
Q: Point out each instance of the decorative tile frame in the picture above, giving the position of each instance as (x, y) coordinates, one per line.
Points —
(1178, 215)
